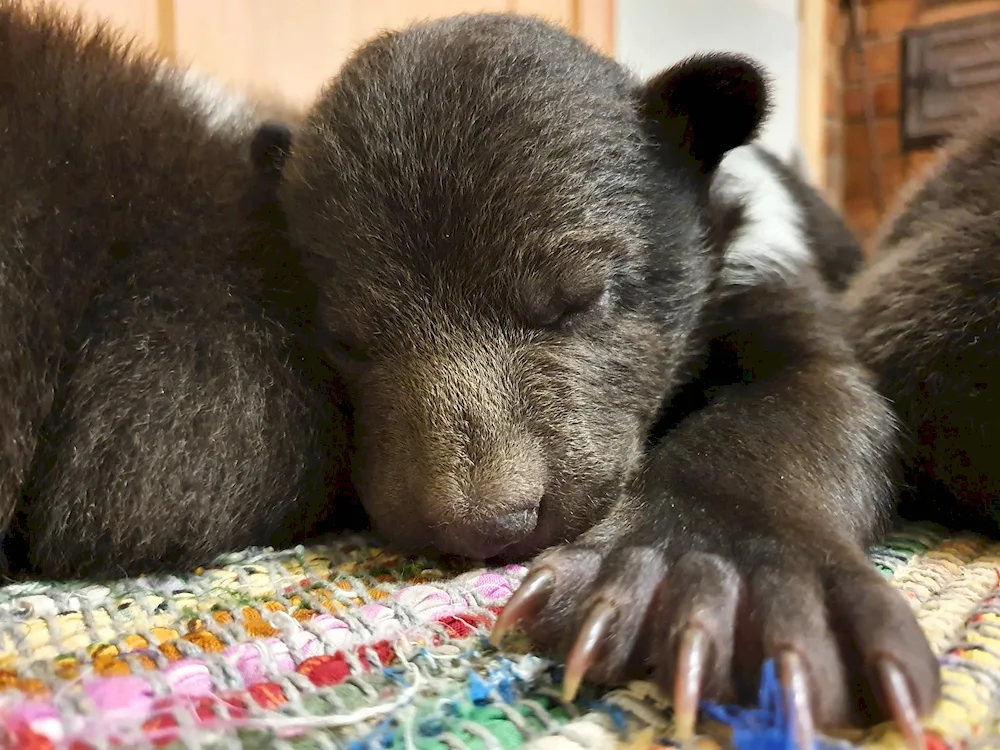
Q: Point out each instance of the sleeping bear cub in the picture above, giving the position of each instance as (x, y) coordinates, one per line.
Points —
(494, 288)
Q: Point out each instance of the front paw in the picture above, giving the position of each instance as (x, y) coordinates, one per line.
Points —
(701, 619)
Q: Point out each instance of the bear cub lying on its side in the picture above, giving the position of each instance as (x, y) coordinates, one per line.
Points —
(509, 275)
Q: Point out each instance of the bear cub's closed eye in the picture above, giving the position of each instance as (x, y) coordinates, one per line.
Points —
(568, 307)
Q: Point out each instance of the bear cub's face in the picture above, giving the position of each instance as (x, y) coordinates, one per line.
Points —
(508, 271)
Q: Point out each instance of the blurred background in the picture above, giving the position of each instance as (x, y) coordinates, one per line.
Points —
(864, 89)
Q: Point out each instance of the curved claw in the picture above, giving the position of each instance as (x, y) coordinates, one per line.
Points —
(691, 656)
(897, 693)
(530, 597)
(795, 685)
(585, 650)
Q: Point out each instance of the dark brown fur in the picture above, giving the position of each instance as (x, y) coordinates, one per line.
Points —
(156, 409)
(926, 319)
(506, 251)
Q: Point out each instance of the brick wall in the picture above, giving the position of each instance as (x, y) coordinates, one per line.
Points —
(881, 23)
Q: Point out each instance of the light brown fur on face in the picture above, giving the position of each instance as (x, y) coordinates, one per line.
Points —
(491, 426)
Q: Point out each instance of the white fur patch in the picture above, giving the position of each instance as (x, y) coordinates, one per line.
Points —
(221, 108)
(772, 241)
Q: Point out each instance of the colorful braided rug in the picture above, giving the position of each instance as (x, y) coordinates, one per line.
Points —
(343, 645)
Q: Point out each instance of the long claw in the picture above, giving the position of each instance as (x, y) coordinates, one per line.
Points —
(527, 600)
(897, 693)
(691, 656)
(795, 685)
(585, 650)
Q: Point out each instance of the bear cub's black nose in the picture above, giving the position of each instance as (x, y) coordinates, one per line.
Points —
(487, 537)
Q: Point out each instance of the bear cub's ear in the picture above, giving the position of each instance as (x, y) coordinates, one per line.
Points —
(706, 105)
(270, 148)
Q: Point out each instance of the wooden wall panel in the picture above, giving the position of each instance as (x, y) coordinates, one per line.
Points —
(595, 22)
(815, 57)
(292, 48)
(138, 18)
(288, 49)
(263, 44)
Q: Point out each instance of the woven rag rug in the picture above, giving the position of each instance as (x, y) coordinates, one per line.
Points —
(345, 645)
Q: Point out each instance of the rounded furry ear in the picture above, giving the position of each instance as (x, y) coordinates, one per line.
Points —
(270, 148)
(706, 105)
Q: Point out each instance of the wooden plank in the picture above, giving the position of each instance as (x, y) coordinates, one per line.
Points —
(940, 11)
(261, 45)
(814, 57)
(595, 22)
(166, 22)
